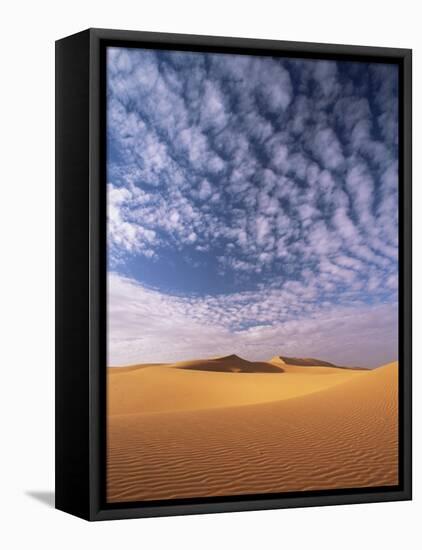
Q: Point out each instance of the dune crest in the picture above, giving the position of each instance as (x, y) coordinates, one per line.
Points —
(307, 362)
(301, 362)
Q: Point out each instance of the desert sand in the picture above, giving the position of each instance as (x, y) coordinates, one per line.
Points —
(227, 426)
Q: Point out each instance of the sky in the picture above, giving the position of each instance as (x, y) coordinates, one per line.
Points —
(252, 207)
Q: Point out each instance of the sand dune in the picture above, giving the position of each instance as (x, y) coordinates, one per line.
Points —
(230, 363)
(131, 368)
(205, 384)
(186, 432)
(301, 361)
(322, 366)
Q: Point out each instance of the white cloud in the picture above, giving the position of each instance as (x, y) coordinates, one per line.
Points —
(123, 234)
(325, 73)
(146, 325)
(327, 148)
(183, 121)
(281, 172)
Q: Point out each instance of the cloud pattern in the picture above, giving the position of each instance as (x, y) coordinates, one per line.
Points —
(248, 195)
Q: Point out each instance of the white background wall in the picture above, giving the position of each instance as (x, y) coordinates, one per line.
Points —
(27, 272)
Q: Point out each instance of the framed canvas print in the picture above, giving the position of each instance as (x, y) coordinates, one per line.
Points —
(233, 274)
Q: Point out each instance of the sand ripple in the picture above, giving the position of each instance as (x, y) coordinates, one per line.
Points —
(343, 436)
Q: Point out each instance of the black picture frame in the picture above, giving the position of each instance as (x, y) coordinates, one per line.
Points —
(81, 273)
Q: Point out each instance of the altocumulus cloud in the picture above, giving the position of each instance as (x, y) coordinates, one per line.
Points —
(276, 181)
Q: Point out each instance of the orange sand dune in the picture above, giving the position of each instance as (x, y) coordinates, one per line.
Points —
(230, 363)
(317, 364)
(177, 433)
(301, 361)
(212, 383)
(130, 368)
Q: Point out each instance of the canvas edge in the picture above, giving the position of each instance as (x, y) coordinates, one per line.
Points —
(72, 365)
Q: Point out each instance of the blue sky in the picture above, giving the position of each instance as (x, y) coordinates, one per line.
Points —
(252, 207)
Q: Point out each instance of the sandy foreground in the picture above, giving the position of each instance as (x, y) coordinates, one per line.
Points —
(227, 426)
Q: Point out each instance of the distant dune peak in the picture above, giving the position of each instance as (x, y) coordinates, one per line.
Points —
(277, 360)
(308, 362)
(230, 363)
(232, 357)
